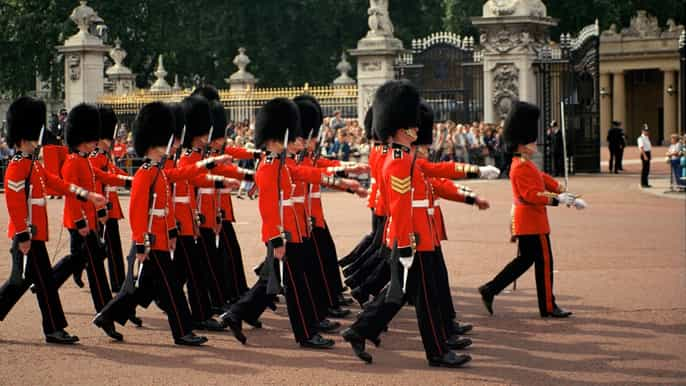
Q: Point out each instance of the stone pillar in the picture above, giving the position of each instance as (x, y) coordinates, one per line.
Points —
(671, 85)
(619, 98)
(376, 54)
(605, 106)
(84, 79)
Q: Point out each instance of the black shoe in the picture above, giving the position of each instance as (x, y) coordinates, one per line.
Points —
(209, 325)
(462, 328)
(646, 186)
(338, 313)
(450, 359)
(347, 260)
(457, 343)
(376, 342)
(108, 327)
(61, 337)
(257, 324)
(345, 301)
(360, 297)
(190, 339)
(317, 341)
(357, 343)
(487, 299)
(136, 321)
(78, 279)
(231, 321)
(559, 313)
(328, 326)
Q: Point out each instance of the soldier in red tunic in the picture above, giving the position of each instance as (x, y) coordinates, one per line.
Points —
(153, 228)
(25, 182)
(54, 155)
(532, 192)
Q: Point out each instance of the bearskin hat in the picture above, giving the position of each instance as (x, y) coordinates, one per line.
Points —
(310, 118)
(198, 118)
(153, 127)
(426, 125)
(396, 106)
(209, 92)
(219, 121)
(108, 122)
(179, 119)
(521, 125)
(83, 125)
(274, 118)
(25, 118)
(369, 124)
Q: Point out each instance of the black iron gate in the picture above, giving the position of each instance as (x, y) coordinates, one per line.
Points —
(442, 66)
(570, 74)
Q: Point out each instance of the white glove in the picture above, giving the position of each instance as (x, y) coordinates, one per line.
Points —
(580, 204)
(489, 172)
(566, 199)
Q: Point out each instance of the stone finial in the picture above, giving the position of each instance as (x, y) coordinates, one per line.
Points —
(177, 85)
(344, 67)
(160, 84)
(379, 19)
(118, 54)
(241, 78)
(83, 16)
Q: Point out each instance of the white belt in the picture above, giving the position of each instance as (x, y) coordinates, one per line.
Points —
(206, 191)
(158, 212)
(420, 203)
(182, 200)
(287, 203)
(372, 180)
(111, 189)
(430, 211)
(436, 202)
(298, 199)
(316, 195)
(38, 201)
(225, 191)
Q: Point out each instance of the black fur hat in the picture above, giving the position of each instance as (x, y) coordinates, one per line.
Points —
(369, 124)
(310, 118)
(521, 125)
(396, 106)
(108, 122)
(219, 121)
(274, 118)
(153, 127)
(83, 125)
(179, 119)
(208, 91)
(426, 125)
(312, 124)
(198, 118)
(25, 118)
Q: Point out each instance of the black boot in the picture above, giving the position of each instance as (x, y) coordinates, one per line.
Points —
(209, 325)
(338, 312)
(487, 298)
(450, 359)
(257, 324)
(136, 320)
(344, 301)
(190, 339)
(317, 341)
(108, 327)
(359, 296)
(559, 313)
(456, 343)
(61, 337)
(328, 326)
(357, 343)
(231, 321)
(461, 328)
(78, 278)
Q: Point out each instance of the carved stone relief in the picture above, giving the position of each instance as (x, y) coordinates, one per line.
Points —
(505, 88)
(74, 63)
(505, 40)
(371, 66)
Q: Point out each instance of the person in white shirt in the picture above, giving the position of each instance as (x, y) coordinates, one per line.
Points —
(675, 153)
(644, 146)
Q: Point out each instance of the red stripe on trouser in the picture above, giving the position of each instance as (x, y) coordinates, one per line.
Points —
(428, 310)
(232, 262)
(192, 276)
(171, 297)
(95, 273)
(309, 292)
(546, 274)
(321, 268)
(47, 300)
(214, 277)
(297, 298)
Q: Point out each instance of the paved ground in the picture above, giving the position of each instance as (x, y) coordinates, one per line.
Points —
(620, 266)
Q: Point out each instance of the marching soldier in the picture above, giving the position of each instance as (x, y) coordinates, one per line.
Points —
(281, 232)
(25, 181)
(153, 228)
(83, 219)
(54, 155)
(532, 191)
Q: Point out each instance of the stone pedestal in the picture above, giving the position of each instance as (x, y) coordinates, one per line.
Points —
(121, 76)
(512, 34)
(84, 75)
(241, 80)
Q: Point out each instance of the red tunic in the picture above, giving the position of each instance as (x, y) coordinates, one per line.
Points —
(100, 160)
(529, 187)
(53, 159)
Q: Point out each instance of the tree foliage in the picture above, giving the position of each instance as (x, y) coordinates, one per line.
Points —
(290, 42)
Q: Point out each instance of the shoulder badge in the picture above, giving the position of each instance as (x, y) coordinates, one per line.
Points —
(397, 153)
(188, 152)
(268, 159)
(94, 153)
(401, 185)
(146, 165)
(384, 149)
(17, 157)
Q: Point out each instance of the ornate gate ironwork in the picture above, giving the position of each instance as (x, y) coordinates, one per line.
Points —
(570, 73)
(444, 68)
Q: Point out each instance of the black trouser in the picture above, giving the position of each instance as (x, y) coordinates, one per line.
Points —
(422, 292)
(315, 285)
(616, 154)
(216, 280)
(445, 298)
(158, 281)
(233, 264)
(115, 256)
(559, 164)
(365, 263)
(85, 252)
(326, 249)
(363, 244)
(300, 313)
(379, 277)
(38, 273)
(533, 249)
(645, 169)
(190, 269)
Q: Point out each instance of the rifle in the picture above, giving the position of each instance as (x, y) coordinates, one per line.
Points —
(564, 142)
(29, 192)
